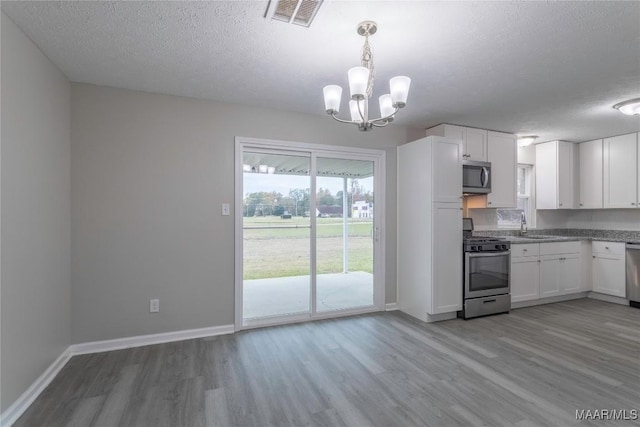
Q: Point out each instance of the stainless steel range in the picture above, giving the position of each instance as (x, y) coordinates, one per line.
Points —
(486, 274)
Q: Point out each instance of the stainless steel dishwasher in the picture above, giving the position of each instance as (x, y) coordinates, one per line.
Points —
(633, 274)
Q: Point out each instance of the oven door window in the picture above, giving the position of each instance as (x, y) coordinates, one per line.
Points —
(488, 272)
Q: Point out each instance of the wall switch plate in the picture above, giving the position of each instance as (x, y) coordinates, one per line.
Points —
(154, 305)
(226, 209)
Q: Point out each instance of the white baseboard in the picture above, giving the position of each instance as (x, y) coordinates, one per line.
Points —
(13, 412)
(549, 300)
(17, 408)
(609, 298)
(442, 316)
(142, 340)
(392, 306)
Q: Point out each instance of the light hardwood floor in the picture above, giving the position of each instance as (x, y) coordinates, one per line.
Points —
(535, 366)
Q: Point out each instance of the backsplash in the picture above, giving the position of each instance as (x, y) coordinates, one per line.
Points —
(591, 219)
(615, 235)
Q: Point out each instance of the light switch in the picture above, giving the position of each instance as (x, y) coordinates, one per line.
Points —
(226, 209)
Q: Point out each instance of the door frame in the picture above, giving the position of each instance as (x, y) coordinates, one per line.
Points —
(379, 255)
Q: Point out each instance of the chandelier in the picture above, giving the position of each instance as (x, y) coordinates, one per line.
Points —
(361, 86)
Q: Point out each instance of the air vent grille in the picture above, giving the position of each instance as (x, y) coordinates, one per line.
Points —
(299, 12)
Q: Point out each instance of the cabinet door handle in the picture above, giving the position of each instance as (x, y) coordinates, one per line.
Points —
(593, 256)
(524, 250)
(581, 204)
(539, 261)
(560, 204)
(606, 247)
(489, 203)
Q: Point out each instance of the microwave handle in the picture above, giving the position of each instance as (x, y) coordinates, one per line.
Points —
(484, 178)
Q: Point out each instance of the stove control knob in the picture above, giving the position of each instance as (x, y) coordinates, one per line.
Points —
(474, 248)
(504, 247)
(498, 247)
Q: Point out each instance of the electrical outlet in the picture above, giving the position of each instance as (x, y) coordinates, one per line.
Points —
(154, 305)
(226, 209)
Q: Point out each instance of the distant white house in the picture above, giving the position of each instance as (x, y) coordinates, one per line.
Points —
(362, 209)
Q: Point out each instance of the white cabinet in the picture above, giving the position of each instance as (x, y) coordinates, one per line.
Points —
(447, 258)
(446, 184)
(559, 275)
(502, 152)
(545, 270)
(608, 268)
(591, 177)
(556, 175)
(550, 276)
(474, 141)
(620, 169)
(525, 272)
(429, 227)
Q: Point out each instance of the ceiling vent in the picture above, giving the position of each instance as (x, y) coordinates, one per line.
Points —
(299, 12)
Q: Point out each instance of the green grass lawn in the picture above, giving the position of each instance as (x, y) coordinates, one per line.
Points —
(283, 252)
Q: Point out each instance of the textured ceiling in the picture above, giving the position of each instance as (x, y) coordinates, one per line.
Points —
(549, 68)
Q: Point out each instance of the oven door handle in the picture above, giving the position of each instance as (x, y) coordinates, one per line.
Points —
(488, 254)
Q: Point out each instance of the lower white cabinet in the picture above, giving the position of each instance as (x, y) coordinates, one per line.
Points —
(559, 275)
(545, 270)
(608, 268)
(525, 279)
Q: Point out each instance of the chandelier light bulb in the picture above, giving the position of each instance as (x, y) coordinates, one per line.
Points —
(263, 168)
(355, 113)
(358, 80)
(332, 98)
(399, 90)
(386, 106)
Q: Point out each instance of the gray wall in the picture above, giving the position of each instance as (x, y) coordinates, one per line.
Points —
(149, 173)
(35, 169)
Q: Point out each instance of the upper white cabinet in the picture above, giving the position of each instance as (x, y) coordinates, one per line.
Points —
(502, 153)
(447, 172)
(590, 182)
(473, 141)
(620, 170)
(556, 175)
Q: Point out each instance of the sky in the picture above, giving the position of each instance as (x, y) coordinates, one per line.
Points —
(257, 182)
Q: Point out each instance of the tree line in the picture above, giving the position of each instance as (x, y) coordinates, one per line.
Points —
(297, 202)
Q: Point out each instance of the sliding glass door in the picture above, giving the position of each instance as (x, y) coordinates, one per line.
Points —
(344, 233)
(276, 235)
(307, 239)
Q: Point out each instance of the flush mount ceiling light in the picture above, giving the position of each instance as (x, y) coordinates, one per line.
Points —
(630, 107)
(525, 141)
(361, 86)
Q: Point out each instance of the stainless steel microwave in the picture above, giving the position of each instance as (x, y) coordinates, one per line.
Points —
(476, 177)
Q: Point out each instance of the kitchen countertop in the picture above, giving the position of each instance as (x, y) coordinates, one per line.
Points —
(564, 235)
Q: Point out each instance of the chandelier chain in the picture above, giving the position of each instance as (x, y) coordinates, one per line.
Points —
(367, 61)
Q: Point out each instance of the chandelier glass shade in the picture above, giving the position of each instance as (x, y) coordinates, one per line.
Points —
(361, 87)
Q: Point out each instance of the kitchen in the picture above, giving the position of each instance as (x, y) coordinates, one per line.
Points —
(507, 268)
(129, 131)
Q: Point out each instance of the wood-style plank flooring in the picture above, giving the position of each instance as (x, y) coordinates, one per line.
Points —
(533, 367)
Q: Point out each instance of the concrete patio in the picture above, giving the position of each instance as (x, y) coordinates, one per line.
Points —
(288, 295)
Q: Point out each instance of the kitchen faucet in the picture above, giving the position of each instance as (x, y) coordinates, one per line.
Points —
(523, 225)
